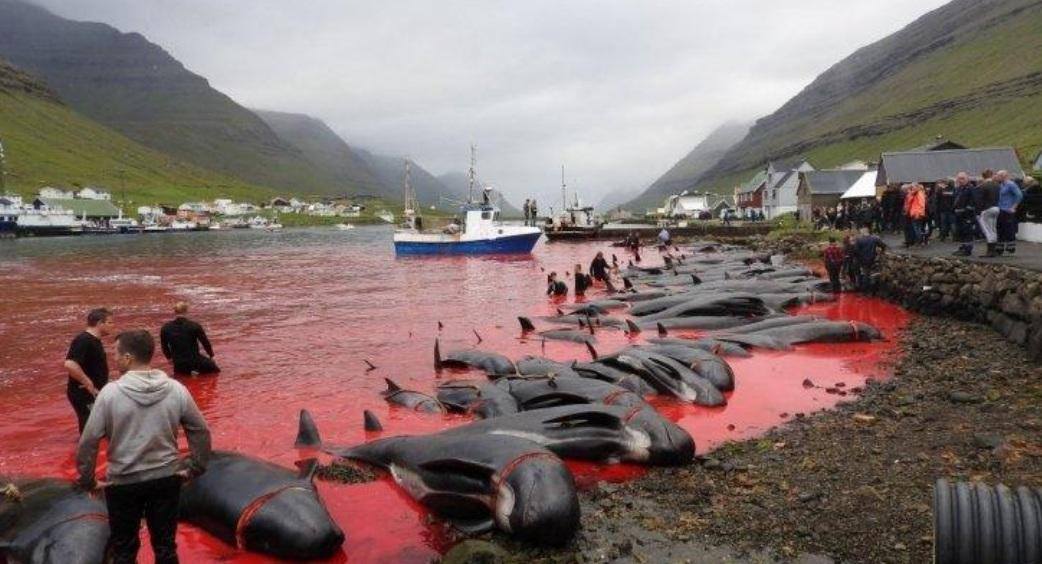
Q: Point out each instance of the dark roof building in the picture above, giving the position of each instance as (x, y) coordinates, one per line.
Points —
(929, 166)
(940, 145)
(828, 181)
(91, 209)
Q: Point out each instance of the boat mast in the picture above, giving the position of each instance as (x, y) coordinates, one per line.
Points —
(473, 164)
(410, 196)
(3, 187)
(564, 197)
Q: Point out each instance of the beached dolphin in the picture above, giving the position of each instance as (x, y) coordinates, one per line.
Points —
(491, 363)
(622, 379)
(262, 507)
(601, 433)
(704, 363)
(538, 366)
(640, 296)
(821, 332)
(48, 520)
(667, 376)
(479, 481)
(416, 401)
(772, 322)
(714, 346)
(483, 399)
(706, 322)
(541, 393)
(738, 304)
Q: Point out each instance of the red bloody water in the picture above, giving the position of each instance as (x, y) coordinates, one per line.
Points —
(292, 316)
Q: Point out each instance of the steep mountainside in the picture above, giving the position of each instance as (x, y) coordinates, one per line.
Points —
(970, 71)
(47, 143)
(458, 184)
(685, 174)
(389, 172)
(133, 86)
(325, 149)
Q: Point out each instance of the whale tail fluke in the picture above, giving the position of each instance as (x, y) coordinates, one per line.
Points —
(478, 335)
(307, 431)
(589, 323)
(634, 329)
(370, 365)
(306, 469)
(661, 330)
(437, 355)
(440, 326)
(371, 423)
(526, 324)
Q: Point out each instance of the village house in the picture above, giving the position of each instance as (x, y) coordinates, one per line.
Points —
(687, 205)
(782, 180)
(863, 189)
(90, 193)
(94, 210)
(55, 193)
(749, 196)
(823, 189)
(926, 167)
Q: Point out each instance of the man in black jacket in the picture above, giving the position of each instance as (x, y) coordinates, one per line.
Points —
(965, 210)
(180, 340)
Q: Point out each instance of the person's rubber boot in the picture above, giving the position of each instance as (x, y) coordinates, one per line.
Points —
(991, 251)
(999, 249)
(1011, 248)
(962, 251)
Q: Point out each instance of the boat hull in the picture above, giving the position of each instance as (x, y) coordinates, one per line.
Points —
(510, 244)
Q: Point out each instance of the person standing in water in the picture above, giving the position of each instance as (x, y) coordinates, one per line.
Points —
(180, 340)
(599, 267)
(582, 281)
(834, 264)
(139, 414)
(555, 287)
(87, 365)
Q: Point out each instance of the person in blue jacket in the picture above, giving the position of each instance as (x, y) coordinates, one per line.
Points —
(1010, 197)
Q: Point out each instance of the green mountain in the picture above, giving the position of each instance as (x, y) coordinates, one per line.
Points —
(970, 71)
(390, 172)
(47, 143)
(327, 151)
(684, 175)
(123, 81)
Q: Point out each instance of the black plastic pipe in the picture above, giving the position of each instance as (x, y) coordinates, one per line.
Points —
(974, 523)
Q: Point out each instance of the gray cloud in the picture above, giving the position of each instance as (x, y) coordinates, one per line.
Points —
(616, 91)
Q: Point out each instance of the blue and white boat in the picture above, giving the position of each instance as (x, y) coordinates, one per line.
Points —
(477, 229)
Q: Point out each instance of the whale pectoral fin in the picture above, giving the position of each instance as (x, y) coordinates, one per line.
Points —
(307, 431)
(307, 469)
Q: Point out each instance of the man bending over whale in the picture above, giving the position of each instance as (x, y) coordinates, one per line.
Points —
(180, 340)
(140, 414)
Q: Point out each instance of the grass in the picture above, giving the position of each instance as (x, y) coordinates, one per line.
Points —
(47, 144)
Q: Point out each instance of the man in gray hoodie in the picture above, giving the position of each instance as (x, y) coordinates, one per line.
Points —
(139, 415)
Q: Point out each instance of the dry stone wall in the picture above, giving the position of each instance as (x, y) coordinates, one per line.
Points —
(1009, 299)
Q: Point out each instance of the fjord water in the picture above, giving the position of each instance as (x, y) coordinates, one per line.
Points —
(293, 315)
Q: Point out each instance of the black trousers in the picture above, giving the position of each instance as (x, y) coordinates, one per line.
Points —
(156, 501)
(199, 364)
(834, 270)
(81, 401)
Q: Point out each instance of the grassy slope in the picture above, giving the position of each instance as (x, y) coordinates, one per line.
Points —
(48, 144)
(953, 84)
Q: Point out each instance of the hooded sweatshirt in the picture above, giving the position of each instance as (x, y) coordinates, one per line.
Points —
(140, 414)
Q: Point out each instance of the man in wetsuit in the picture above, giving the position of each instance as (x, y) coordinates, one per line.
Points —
(866, 251)
(180, 341)
(599, 267)
(87, 364)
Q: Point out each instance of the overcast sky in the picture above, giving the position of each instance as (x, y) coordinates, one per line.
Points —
(616, 91)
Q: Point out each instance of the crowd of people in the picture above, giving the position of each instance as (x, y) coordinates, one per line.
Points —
(139, 415)
(963, 209)
(600, 271)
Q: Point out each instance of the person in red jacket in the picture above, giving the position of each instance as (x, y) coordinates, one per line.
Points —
(834, 264)
(915, 214)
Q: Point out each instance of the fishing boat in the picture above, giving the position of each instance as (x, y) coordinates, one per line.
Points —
(344, 226)
(476, 230)
(575, 221)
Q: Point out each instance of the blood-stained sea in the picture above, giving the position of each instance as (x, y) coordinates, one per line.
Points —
(294, 316)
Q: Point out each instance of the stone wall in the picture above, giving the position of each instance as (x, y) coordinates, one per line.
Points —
(1009, 299)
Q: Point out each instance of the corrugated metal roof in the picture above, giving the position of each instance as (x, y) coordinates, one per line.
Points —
(831, 181)
(90, 208)
(929, 166)
(781, 181)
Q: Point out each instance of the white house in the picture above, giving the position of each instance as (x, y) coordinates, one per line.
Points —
(90, 193)
(194, 207)
(687, 204)
(55, 193)
(783, 178)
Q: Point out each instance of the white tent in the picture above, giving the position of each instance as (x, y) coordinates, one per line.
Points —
(865, 187)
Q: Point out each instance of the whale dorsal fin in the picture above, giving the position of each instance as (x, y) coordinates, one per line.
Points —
(307, 469)
(662, 332)
(391, 387)
(526, 323)
(307, 431)
(370, 422)
(437, 355)
(633, 327)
